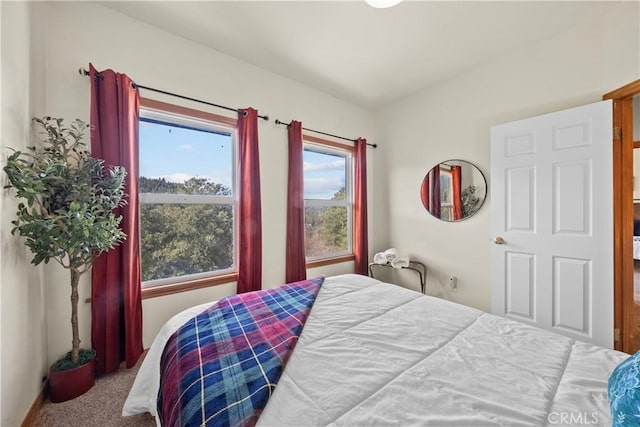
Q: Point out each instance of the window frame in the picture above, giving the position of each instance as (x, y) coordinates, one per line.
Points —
(171, 113)
(446, 173)
(321, 145)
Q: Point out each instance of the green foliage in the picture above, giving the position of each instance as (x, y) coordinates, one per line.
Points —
(193, 185)
(326, 228)
(177, 239)
(469, 201)
(334, 224)
(185, 239)
(69, 197)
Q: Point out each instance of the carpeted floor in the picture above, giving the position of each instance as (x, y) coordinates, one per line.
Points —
(100, 407)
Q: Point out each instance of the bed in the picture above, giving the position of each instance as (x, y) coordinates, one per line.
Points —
(373, 353)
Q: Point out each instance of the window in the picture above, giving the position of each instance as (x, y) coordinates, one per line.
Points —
(446, 186)
(328, 201)
(187, 197)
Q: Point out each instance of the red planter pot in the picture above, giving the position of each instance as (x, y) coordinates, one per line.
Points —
(69, 384)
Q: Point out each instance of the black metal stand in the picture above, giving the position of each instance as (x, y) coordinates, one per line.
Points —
(417, 266)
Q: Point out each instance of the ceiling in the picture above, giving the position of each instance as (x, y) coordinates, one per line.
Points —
(360, 54)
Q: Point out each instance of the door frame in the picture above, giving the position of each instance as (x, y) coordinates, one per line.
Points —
(623, 145)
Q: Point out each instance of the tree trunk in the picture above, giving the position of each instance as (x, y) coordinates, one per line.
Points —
(75, 343)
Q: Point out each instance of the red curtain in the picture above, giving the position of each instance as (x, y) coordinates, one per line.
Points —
(250, 217)
(296, 268)
(116, 309)
(435, 191)
(424, 193)
(360, 227)
(456, 195)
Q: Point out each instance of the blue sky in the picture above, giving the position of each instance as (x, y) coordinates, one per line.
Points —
(324, 174)
(178, 154)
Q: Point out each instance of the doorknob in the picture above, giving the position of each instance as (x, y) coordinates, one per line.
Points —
(498, 240)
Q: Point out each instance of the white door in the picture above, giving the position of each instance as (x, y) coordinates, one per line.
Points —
(552, 206)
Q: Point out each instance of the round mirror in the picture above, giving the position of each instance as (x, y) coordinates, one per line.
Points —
(453, 190)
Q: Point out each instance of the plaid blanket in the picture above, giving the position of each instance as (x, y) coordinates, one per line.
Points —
(221, 367)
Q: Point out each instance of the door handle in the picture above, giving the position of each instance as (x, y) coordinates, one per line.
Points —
(498, 241)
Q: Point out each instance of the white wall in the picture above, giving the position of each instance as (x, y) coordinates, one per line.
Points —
(23, 355)
(82, 32)
(452, 121)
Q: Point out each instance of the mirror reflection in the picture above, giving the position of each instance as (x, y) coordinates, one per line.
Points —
(453, 190)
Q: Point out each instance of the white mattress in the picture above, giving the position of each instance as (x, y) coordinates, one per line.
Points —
(373, 353)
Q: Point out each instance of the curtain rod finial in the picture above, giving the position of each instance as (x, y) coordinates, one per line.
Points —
(83, 72)
(280, 122)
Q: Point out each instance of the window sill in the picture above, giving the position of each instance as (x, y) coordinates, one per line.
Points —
(188, 285)
(329, 261)
(174, 288)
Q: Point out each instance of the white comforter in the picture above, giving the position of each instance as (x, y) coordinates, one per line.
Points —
(373, 353)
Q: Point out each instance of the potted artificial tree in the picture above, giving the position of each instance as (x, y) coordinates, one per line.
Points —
(67, 215)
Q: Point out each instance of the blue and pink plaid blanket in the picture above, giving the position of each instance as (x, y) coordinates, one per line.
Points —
(221, 367)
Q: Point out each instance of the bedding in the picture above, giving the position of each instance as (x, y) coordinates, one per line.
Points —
(624, 392)
(373, 353)
(221, 367)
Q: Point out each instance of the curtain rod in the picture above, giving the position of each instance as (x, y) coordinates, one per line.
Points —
(278, 122)
(84, 72)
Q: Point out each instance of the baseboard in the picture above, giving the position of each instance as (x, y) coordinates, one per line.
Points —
(30, 418)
